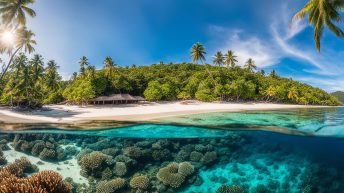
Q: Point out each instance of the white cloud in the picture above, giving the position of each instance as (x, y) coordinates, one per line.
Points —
(245, 48)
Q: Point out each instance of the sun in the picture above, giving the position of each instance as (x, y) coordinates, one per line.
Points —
(7, 37)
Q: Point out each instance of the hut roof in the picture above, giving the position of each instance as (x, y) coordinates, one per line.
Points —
(139, 98)
(122, 97)
(116, 97)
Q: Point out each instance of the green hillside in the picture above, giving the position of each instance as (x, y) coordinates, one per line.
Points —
(339, 95)
(31, 81)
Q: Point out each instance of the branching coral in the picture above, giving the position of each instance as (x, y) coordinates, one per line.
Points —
(174, 174)
(93, 163)
(11, 180)
(139, 182)
(111, 186)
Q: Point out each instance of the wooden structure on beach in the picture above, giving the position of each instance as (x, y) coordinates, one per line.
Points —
(116, 99)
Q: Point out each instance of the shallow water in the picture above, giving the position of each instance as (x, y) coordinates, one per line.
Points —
(256, 161)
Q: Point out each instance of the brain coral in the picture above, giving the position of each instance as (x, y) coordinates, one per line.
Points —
(120, 169)
(174, 174)
(230, 189)
(186, 169)
(110, 186)
(139, 182)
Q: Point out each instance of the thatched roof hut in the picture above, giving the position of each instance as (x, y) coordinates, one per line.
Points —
(116, 99)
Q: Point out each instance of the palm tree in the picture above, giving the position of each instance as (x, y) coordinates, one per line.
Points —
(83, 63)
(293, 94)
(230, 59)
(322, 13)
(37, 66)
(109, 66)
(218, 59)
(197, 53)
(14, 11)
(90, 72)
(250, 65)
(52, 77)
(23, 41)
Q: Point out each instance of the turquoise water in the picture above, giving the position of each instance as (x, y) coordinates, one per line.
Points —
(251, 152)
(314, 121)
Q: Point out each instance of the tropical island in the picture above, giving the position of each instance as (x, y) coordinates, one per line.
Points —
(223, 118)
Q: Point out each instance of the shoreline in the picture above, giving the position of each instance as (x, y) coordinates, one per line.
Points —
(63, 114)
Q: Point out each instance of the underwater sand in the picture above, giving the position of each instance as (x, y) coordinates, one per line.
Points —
(70, 169)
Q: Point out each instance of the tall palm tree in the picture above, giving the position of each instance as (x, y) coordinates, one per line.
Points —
(23, 42)
(250, 65)
(83, 63)
(230, 59)
(322, 13)
(109, 66)
(14, 12)
(52, 77)
(197, 53)
(37, 66)
(218, 59)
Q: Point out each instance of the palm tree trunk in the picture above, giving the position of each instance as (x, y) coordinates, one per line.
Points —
(8, 64)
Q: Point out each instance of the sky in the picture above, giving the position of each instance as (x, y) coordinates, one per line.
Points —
(146, 32)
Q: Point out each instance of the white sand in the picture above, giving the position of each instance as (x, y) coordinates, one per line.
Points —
(135, 112)
(72, 169)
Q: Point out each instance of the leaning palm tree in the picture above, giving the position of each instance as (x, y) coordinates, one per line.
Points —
(109, 66)
(23, 41)
(250, 65)
(197, 53)
(322, 13)
(83, 62)
(218, 59)
(230, 59)
(13, 12)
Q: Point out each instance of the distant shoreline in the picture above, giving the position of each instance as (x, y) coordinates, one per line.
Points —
(63, 114)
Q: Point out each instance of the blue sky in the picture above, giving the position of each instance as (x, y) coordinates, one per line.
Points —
(145, 32)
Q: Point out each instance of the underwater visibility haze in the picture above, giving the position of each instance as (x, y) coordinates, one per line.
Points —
(213, 152)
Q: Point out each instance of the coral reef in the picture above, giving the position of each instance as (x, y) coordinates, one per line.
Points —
(111, 186)
(94, 163)
(12, 179)
(230, 189)
(140, 182)
(174, 174)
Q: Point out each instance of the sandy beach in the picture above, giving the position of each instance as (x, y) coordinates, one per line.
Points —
(134, 112)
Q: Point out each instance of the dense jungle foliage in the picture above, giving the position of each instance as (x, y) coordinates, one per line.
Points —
(32, 82)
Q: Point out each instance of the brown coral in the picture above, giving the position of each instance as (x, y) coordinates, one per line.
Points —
(120, 169)
(42, 182)
(174, 174)
(94, 162)
(186, 169)
(139, 182)
(110, 186)
(133, 152)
